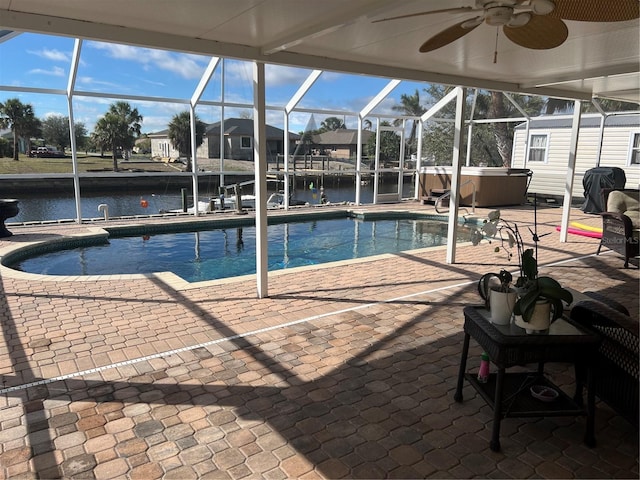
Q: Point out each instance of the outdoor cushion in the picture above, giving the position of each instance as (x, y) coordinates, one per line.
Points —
(627, 203)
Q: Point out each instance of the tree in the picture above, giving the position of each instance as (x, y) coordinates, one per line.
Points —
(55, 131)
(180, 135)
(561, 105)
(20, 119)
(82, 137)
(118, 129)
(490, 142)
(389, 145)
(331, 124)
(410, 106)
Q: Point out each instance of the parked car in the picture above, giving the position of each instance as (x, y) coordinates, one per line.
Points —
(46, 152)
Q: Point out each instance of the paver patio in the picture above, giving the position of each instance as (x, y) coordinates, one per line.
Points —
(345, 371)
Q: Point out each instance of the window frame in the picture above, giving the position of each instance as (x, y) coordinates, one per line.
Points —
(546, 147)
(632, 136)
(242, 142)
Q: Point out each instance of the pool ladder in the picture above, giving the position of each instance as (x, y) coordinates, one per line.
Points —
(447, 194)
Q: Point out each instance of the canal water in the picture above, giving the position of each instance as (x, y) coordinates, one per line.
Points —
(60, 206)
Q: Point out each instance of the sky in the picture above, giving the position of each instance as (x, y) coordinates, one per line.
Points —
(44, 62)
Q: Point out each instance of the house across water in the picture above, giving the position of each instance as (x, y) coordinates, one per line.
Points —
(237, 138)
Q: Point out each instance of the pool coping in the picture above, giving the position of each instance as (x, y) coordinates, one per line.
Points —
(94, 234)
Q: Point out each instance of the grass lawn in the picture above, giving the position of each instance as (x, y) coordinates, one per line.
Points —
(97, 164)
(86, 163)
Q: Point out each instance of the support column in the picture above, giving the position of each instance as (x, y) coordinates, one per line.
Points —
(454, 198)
(260, 160)
(571, 171)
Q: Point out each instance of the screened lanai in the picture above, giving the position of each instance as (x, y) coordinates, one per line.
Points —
(598, 58)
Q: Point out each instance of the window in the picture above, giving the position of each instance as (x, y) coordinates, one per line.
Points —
(634, 149)
(245, 142)
(538, 144)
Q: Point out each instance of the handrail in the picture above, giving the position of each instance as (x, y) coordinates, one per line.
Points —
(448, 194)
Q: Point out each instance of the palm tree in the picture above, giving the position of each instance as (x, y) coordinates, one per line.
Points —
(410, 105)
(331, 124)
(18, 117)
(118, 129)
(180, 135)
(501, 133)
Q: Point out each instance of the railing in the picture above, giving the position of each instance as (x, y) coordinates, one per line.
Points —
(448, 194)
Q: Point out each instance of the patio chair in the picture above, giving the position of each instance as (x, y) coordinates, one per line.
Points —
(621, 223)
(616, 366)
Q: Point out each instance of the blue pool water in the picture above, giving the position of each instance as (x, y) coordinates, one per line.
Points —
(230, 252)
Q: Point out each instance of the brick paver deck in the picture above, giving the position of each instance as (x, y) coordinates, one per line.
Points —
(342, 372)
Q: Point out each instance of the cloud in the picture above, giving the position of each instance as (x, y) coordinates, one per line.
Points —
(185, 65)
(93, 82)
(55, 55)
(54, 72)
(276, 75)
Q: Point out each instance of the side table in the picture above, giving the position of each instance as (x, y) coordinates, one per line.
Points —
(508, 394)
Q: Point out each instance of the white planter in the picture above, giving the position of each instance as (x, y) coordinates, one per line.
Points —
(540, 320)
(501, 306)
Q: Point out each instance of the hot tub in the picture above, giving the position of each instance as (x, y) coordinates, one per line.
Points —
(494, 186)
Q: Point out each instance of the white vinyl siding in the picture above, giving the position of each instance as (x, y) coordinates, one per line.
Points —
(549, 178)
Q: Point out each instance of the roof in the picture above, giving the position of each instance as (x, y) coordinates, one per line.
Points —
(244, 127)
(236, 127)
(342, 136)
(586, 121)
(598, 58)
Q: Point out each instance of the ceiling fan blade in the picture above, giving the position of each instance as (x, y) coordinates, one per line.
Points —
(541, 33)
(597, 10)
(430, 12)
(449, 35)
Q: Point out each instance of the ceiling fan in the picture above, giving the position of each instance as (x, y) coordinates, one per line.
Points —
(535, 24)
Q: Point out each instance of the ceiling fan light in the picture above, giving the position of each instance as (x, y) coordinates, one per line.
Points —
(498, 16)
(471, 23)
(542, 7)
(519, 20)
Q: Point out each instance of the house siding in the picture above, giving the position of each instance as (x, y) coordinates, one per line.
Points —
(549, 178)
(235, 130)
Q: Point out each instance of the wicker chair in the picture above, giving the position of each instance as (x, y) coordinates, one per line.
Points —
(621, 223)
(616, 366)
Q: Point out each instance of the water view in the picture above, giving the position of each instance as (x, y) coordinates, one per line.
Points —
(43, 207)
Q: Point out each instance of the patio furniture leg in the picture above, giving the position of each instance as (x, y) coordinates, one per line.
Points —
(463, 366)
(497, 411)
(589, 437)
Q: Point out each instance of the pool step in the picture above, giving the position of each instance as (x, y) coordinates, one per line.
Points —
(434, 195)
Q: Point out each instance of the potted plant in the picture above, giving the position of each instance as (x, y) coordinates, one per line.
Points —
(499, 299)
(540, 299)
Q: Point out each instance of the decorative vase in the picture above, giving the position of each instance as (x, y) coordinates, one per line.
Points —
(540, 319)
(501, 306)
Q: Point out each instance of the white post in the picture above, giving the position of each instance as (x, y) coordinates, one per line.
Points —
(194, 161)
(359, 162)
(260, 160)
(571, 171)
(286, 161)
(74, 154)
(418, 166)
(454, 198)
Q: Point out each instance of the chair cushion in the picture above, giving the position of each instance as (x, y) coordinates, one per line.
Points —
(626, 202)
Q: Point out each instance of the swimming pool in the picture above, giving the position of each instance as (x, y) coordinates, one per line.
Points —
(230, 251)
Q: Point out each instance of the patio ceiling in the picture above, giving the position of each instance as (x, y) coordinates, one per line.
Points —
(597, 59)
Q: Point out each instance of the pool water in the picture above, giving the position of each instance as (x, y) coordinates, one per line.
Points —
(230, 252)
